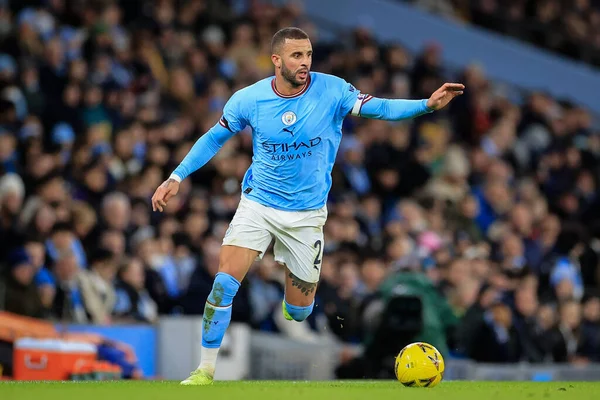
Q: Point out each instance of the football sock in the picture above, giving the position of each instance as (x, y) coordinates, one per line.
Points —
(299, 313)
(216, 318)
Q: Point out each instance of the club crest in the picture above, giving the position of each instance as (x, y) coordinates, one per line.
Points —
(288, 118)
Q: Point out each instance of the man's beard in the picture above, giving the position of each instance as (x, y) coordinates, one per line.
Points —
(290, 76)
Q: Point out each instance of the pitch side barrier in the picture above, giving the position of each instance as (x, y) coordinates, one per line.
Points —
(248, 354)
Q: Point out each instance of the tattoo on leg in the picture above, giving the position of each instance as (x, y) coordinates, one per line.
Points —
(305, 287)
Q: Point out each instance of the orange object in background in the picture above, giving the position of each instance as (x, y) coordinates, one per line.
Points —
(14, 327)
(49, 359)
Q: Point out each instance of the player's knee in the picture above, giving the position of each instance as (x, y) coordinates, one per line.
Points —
(224, 290)
(298, 313)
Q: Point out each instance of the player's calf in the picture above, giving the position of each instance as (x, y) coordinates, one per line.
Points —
(216, 318)
(217, 311)
(299, 297)
(298, 291)
(234, 263)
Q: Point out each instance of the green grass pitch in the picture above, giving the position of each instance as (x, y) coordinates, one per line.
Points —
(290, 390)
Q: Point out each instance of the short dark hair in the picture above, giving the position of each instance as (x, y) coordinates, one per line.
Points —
(286, 33)
(61, 227)
(101, 255)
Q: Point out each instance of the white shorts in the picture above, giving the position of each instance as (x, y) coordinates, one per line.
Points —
(298, 236)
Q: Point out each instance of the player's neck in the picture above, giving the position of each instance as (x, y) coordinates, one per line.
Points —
(286, 88)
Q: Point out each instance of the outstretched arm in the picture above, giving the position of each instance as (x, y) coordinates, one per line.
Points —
(393, 110)
(389, 109)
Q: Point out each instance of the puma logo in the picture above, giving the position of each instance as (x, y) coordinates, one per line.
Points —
(290, 131)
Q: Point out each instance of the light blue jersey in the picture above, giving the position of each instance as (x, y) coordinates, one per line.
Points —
(295, 138)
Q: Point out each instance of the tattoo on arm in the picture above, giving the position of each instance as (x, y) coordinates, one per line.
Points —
(305, 287)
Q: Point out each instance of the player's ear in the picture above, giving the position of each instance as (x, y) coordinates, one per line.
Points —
(276, 60)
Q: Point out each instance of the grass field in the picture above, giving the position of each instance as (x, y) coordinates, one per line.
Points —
(288, 390)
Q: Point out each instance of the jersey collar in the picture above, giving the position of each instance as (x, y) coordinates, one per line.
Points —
(300, 93)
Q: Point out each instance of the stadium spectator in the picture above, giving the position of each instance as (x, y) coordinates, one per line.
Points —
(101, 276)
(18, 286)
(590, 329)
(133, 303)
(69, 305)
(12, 192)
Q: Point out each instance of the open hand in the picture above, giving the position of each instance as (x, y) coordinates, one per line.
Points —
(163, 193)
(444, 95)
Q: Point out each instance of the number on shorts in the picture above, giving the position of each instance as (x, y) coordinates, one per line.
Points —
(318, 244)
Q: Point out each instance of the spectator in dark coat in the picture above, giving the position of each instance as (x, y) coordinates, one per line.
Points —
(20, 291)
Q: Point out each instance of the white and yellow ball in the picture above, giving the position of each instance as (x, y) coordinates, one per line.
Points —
(419, 365)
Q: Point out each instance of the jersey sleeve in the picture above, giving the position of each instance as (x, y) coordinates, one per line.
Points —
(351, 98)
(235, 113)
(364, 105)
(234, 119)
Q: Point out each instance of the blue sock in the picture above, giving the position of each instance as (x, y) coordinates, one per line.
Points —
(299, 313)
(217, 311)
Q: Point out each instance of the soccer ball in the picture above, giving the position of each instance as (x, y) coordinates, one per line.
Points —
(419, 365)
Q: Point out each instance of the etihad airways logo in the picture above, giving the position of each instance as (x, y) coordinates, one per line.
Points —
(287, 147)
(291, 151)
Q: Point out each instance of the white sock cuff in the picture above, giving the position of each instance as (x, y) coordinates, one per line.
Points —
(218, 307)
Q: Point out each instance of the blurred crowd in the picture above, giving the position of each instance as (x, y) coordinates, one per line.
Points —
(568, 27)
(489, 209)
